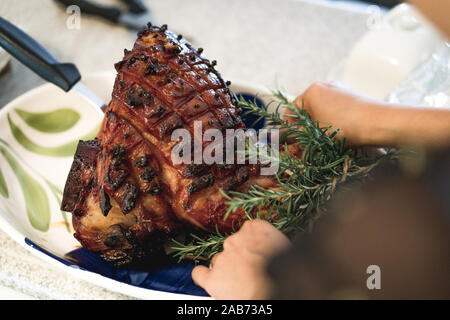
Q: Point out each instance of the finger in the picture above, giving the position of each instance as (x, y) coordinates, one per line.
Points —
(214, 260)
(247, 226)
(228, 244)
(254, 225)
(200, 275)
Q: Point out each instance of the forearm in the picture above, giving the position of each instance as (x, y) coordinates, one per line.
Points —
(363, 121)
(391, 125)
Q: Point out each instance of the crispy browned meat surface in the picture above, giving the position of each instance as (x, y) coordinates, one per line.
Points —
(123, 189)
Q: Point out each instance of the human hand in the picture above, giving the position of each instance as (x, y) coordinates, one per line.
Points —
(339, 107)
(239, 271)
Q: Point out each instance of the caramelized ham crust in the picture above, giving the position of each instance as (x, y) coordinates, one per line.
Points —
(123, 189)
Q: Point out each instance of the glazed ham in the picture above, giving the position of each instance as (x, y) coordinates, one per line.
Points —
(124, 190)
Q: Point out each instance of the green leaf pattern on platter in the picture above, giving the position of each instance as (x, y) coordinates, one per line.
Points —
(55, 121)
(36, 200)
(64, 150)
(35, 196)
(3, 187)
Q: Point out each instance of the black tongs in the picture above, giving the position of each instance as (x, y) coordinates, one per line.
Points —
(136, 17)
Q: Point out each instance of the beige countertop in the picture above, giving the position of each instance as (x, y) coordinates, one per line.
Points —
(285, 43)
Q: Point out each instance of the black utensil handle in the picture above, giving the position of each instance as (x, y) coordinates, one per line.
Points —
(110, 13)
(33, 55)
(135, 6)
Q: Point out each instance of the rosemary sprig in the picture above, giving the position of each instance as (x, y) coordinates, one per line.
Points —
(199, 248)
(305, 183)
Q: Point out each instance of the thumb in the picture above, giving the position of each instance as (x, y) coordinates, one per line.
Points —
(200, 275)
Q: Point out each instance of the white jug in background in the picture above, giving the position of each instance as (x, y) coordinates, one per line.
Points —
(394, 47)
